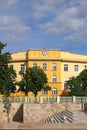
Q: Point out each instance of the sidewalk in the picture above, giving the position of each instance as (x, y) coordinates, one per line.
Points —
(27, 126)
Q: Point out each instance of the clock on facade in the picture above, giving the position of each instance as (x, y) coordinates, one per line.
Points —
(44, 52)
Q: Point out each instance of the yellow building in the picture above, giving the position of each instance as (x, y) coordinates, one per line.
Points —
(57, 64)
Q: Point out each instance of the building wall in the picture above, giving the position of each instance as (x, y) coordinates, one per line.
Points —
(53, 56)
(18, 59)
(19, 56)
(58, 57)
(71, 60)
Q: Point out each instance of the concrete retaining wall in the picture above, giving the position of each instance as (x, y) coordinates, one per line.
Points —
(85, 106)
(16, 113)
(35, 112)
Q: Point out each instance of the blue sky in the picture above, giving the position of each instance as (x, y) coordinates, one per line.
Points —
(37, 24)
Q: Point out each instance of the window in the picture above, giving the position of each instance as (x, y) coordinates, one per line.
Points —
(54, 78)
(44, 66)
(76, 67)
(44, 91)
(53, 66)
(85, 66)
(65, 86)
(22, 67)
(11, 66)
(54, 91)
(65, 67)
(34, 64)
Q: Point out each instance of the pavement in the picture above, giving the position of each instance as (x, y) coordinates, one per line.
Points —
(27, 126)
(79, 123)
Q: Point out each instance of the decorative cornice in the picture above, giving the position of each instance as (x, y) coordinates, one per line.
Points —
(61, 60)
(13, 61)
(44, 59)
(73, 61)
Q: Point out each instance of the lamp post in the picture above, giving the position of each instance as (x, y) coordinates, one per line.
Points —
(25, 89)
(73, 97)
(26, 99)
(81, 96)
(73, 86)
(81, 85)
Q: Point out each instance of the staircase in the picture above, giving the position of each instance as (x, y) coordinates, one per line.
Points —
(61, 117)
(66, 117)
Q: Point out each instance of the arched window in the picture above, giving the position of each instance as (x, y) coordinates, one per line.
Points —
(54, 78)
(54, 91)
(44, 91)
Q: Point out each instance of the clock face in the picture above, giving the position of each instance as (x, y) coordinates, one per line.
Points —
(44, 52)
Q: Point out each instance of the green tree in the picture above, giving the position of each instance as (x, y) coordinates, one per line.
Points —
(33, 79)
(7, 78)
(75, 86)
(83, 79)
(7, 74)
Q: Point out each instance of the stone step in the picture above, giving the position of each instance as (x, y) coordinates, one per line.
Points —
(60, 117)
(66, 117)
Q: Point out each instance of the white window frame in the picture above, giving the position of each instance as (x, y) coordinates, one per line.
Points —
(54, 91)
(76, 68)
(54, 67)
(44, 66)
(44, 91)
(86, 67)
(54, 78)
(65, 67)
(11, 66)
(22, 67)
(34, 64)
(65, 86)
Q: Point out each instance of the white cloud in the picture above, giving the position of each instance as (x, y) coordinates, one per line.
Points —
(8, 20)
(65, 21)
(8, 4)
(13, 27)
(82, 4)
(70, 19)
(43, 8)
(54, 3)
(80, 36)
(51, 16)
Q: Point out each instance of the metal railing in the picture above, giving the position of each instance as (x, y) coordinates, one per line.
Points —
(47, 99)
(81, 99)
(66, 99)
(51, 99)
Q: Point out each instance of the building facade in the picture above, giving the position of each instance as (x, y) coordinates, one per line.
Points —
(58, 65)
